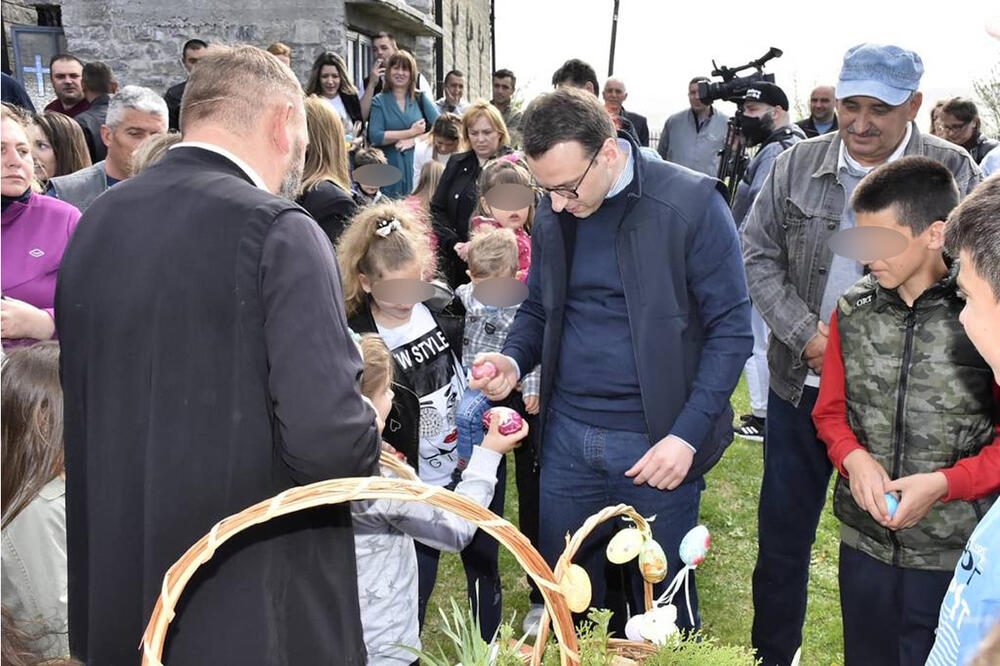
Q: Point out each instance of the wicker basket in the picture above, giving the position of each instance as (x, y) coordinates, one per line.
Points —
(344, 490)
(636, 650)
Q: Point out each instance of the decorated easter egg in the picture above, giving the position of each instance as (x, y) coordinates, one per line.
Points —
(694, 546)
(625, 545)
(510, 421)
(659, 624)
(652, 561)
(891, 503)
(484, 370)
(575, 586)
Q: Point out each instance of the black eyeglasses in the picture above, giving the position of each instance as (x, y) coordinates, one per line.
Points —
(569, 192)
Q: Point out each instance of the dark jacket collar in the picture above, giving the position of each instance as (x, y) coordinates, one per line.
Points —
(205, 158)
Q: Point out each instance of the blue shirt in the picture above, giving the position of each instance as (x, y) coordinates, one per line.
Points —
(972, 605)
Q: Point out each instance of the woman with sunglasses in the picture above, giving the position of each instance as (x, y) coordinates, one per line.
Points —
(457, 196)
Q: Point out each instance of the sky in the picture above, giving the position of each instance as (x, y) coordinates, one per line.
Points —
(661, 45)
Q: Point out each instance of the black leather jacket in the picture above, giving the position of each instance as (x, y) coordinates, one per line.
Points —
(402, 427)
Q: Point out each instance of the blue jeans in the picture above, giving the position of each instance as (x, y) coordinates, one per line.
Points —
(792, 496)
(469, 417)
(583, 471)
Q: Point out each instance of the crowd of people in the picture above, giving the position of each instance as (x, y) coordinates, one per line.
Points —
(249, 284)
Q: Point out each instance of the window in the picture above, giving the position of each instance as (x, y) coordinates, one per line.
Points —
(359, 57)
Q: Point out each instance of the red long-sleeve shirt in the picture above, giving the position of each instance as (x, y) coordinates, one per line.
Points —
(970, 478)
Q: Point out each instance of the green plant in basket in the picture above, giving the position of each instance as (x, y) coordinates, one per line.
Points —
(467, 646)
(700, 650)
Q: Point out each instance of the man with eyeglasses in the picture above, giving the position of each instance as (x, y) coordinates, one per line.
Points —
(795, 282)
(638, 312)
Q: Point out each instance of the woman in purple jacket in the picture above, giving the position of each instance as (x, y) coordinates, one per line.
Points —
(35, 231)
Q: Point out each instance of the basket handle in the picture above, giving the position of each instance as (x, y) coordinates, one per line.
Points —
(336, 491)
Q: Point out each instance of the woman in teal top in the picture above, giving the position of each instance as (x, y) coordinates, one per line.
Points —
(400, 114)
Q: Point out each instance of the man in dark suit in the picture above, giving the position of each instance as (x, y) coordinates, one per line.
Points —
(191, 53)
(207, 366)
(615, 95)
(99, 85)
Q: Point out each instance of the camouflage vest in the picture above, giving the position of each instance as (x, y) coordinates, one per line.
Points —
(919, 398)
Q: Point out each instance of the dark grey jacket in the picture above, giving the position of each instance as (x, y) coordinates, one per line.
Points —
(91, 121)
(785, 242)
(80, 188)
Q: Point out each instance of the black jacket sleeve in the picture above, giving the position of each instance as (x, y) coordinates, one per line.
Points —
(331, 207)
(326, 429)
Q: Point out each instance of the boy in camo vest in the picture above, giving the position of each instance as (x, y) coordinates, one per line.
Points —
(906, 406)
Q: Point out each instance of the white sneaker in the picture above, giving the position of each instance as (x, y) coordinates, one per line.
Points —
(531, 620)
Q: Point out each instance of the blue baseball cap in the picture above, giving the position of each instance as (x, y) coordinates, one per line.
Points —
(887, 73)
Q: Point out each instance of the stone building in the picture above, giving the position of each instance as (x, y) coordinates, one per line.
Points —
(141, 39)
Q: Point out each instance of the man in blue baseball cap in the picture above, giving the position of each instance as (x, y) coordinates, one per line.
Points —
(795, 282)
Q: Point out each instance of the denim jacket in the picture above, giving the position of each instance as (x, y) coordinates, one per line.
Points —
(785, 242)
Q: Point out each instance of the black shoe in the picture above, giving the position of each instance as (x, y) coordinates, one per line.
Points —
(751, 428)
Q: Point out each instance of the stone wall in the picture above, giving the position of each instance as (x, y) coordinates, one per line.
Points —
(466, 44)
(141, 39)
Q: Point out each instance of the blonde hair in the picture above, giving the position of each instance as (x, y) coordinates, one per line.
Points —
(404, 58)
(231, 84)
(430, 177)
(280, 49)
(152, 150)
(483, 109)
(505, 170)
(362, 251)
(378, 373)
(492, 252)
(326, 154)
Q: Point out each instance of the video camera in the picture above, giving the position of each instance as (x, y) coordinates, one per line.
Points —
(732, 88)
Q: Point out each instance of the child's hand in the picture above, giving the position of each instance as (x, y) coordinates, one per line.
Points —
(392, 451)
(494, 441)
(462, 250)
(531, 404)
(869, 483)
(919, 493)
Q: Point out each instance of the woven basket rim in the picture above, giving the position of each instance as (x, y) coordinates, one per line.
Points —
(336, 491)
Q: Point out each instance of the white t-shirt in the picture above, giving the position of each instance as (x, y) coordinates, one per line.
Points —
(345, 119)
(423, 152)
(431, 368)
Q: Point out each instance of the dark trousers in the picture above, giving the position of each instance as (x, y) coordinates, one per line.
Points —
(890, 613)
(792, 495)
(526, 475)
(482, 570)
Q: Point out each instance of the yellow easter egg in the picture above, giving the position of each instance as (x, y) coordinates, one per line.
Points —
(575, 586)
(625, 545)
(652, 562)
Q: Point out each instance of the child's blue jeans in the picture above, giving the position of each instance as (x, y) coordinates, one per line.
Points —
(471, 410)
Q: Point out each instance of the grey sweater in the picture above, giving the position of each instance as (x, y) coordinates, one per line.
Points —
(682, 143)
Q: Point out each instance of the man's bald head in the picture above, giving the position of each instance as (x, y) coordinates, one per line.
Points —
(614, 93)
(822, 101)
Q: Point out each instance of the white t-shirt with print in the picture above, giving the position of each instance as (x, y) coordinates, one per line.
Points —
(421, 350)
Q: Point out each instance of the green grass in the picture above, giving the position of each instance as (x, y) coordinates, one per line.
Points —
(729, 510)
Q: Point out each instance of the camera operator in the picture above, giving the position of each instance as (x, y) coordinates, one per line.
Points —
(766, 123)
